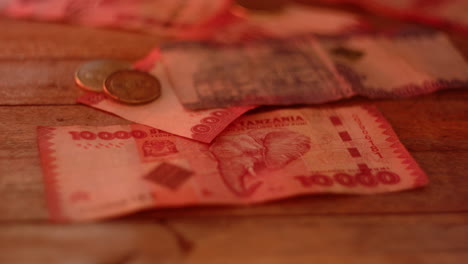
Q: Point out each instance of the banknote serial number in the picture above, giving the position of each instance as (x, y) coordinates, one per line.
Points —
(367, 179)
(88, 135)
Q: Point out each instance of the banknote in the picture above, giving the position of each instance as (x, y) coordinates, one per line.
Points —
(166, 112)
(98, 172)
(297, 19)
(450, 14)
(293, 19)
(155, 16)
(306, 69)
(406, 64)
(184, 19)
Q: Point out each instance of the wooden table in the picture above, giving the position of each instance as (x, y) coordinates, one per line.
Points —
(428, 225)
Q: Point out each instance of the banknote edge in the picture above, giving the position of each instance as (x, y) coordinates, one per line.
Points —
(411, 15)
(407, 161)
(411, 89)
(215, 129)
(45, 135)
(92, 99)
(148, 62)
(361, 26)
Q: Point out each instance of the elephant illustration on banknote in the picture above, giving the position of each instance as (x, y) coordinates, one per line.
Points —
(241, 157)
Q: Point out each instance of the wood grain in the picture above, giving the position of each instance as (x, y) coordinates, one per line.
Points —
(428, 225)
(38, 82)
(23, 40)
(300, 239)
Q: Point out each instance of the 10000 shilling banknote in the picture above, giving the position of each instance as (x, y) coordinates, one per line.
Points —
(98, 172)
(167, 113)
(307, 70)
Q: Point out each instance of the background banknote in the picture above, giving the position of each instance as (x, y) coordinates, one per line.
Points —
(156, 16)
(297, 19)
(240, 24)
(306, 69)
(98, 172)
(184, 19)
(451, 14)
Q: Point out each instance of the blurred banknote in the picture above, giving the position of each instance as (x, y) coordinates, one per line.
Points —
(451, 14)
(157, 16)
(304, 70)
(185, 19)
(293, 19)
(99, 172)
(166, 112)
(296, 19)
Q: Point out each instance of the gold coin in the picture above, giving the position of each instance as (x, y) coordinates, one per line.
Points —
(132, 87)
(91, 75)
(262, 5)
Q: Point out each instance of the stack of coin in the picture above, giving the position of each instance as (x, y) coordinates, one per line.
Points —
(119, 81)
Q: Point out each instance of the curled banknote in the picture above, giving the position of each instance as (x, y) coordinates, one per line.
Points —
(185, 19)
(307, 69)
(155, 16)
(166, 112)
(240, 24)
(99, 172)
(450, 14)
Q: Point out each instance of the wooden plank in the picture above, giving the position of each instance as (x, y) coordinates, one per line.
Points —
(322, 239)
(51, 81)
(117, 243)
(432, 122)
(37, 61)
(21, 190)
(38, 82)
(23, 40)
(441, 151)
